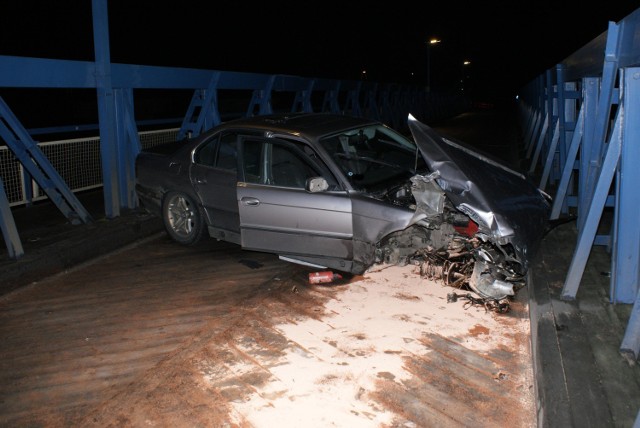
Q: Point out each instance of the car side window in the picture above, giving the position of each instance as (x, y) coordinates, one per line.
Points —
(288, 168)
(219, 152)
(227, 156)
(205, 154)
(252, 162)
(267, 162)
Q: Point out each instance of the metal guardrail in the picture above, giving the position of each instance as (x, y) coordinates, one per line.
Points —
(77, 160)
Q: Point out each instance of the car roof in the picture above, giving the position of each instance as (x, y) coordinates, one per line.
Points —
(310, 125)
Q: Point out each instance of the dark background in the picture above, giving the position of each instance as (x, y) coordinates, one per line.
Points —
(508, 43)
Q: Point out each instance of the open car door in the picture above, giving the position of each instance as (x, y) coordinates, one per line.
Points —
(278, 215)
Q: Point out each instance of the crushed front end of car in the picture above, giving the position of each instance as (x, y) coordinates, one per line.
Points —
(477, 223)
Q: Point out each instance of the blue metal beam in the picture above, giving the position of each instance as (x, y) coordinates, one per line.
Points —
(538, 145)
(540, 109)
(589, 105)
(385, 106)
(564, 110)
(56, 73)
(330, 101)
(106, 110)
(531, 129)
(625, 271)
(8, 226)
(128, 147)
(260, 102)
(46, 73)
(352, 103)
(302, 101)
(552, 108)
(592, 215)
(551, 155)
(567, 171)
(594, 142)
(371, 104)
(203, 112)
(631, 339)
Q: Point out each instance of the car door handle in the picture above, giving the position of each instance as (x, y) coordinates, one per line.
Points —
(250, 201)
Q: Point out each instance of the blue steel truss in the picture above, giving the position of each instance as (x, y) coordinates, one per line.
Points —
(36, 163)
(581, 131)
(203, 112)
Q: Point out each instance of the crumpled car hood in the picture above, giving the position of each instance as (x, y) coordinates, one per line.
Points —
(507, 207)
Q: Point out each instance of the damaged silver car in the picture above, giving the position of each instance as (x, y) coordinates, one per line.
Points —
(339, 192)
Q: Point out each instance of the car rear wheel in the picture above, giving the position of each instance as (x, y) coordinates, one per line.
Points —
(182, 218)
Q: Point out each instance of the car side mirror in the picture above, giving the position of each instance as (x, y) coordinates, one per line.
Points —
(316, 184)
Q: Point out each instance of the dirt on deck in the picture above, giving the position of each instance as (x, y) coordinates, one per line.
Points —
(161, 335)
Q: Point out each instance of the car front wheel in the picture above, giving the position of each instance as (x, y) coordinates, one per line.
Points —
(182, 218)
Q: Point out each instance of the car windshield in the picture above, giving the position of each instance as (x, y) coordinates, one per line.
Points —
(374, 157)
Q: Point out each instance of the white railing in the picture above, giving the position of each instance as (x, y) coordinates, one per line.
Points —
(77, 161)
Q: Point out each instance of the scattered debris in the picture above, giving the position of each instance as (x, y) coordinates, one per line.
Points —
(456, 269)
(500, 376)
(500, 306)
(323, 277)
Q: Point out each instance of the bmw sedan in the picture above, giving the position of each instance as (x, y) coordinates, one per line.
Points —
(340, 192)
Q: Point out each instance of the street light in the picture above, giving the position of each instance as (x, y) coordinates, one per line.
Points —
(431, 42)
(464, 74)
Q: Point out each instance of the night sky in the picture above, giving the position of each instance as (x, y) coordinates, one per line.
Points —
(508, 43)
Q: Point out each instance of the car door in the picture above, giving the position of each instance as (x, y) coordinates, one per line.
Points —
(214, 176)
(278, 215)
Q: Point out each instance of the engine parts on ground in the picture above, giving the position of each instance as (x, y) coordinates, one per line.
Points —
(501, 306)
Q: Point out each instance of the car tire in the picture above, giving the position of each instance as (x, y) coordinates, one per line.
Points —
(182, 218)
